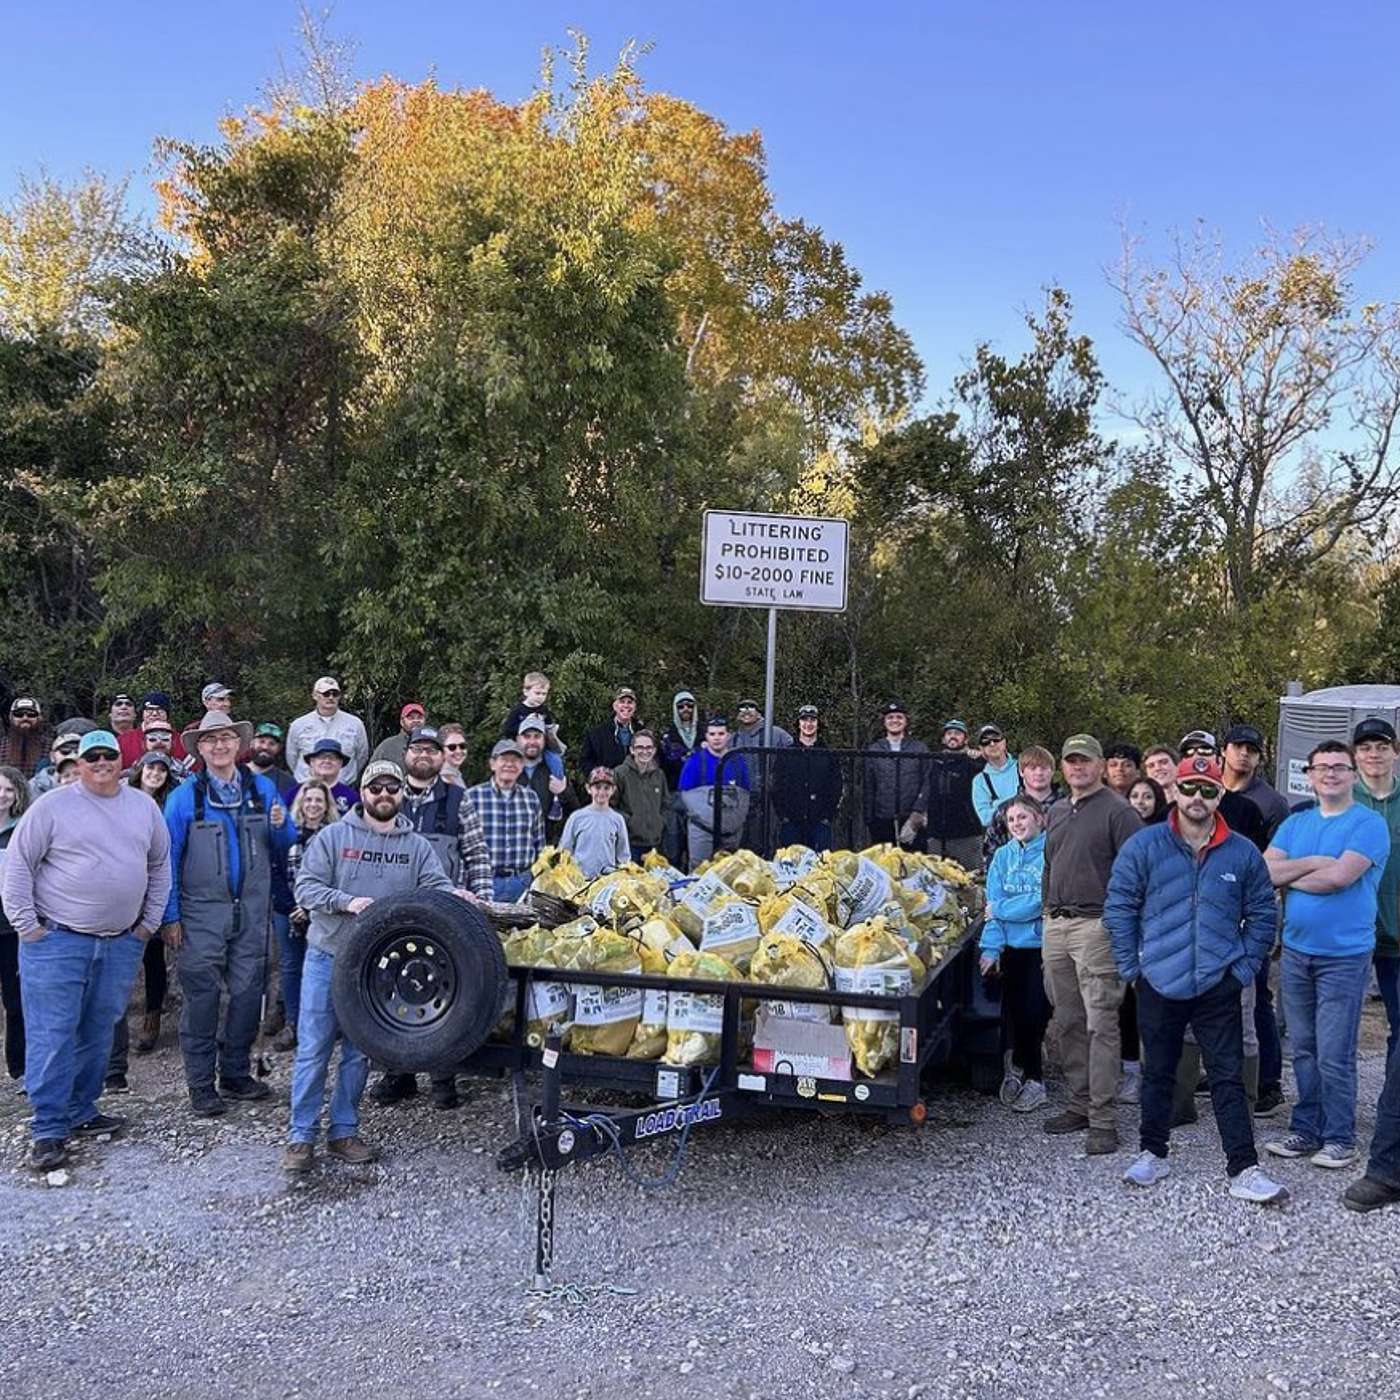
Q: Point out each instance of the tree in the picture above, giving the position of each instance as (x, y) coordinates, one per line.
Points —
(1281, 396)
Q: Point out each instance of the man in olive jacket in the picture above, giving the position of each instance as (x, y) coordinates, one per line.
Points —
(643, 794)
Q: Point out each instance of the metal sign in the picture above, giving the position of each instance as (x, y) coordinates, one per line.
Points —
(751, 559)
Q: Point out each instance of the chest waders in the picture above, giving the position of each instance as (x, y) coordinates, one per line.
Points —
(438, 823)
(225, 942)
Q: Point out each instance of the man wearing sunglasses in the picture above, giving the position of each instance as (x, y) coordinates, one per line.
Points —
(86, 877)
(371, 852)
(1190, 910)
(326, 720)
(1327, 860)
(25, 741)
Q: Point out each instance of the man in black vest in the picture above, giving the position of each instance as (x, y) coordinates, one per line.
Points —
(453, 829)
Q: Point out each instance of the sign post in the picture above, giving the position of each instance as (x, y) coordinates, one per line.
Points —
(752, 559)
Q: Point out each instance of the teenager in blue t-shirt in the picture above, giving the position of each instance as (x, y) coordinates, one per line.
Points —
(1327, 860)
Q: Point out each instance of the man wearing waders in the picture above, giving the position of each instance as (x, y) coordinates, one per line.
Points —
(452, 828)
(227, 827)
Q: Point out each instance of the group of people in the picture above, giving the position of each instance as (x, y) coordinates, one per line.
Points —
(1132, 902)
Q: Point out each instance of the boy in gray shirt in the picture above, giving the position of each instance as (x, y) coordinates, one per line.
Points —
(596, 834)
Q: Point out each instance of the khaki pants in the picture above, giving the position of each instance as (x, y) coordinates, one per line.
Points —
(1081, 980)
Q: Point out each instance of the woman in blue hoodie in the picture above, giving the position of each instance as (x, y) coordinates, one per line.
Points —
(1010, 945)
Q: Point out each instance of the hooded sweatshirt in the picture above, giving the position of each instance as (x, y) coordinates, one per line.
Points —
(1013, 893)
(680, 740)
(347, 859)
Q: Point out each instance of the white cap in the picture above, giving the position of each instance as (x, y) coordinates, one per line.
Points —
(326, 683)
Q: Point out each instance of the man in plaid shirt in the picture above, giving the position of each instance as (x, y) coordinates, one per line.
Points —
(512, 820)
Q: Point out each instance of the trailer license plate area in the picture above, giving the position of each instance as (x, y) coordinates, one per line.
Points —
(755, 1083)
(668, 1084)
(909, 1045)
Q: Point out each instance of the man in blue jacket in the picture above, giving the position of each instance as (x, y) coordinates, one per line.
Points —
(227, 830)
(1191, 915)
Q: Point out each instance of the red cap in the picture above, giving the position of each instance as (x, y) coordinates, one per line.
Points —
(412, 705)
(1199, 766)
(602, 775)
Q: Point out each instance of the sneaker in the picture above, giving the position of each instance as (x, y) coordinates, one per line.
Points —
(116, 1084)
(206, 1103)
(99, 1123)
(1369, 1194)
(1067, 1122)
(352, 1150)
(1255, 1184)
(48, 1153)
(299, 1157)
(1294, 1145)
(1101, 1142)
(286, 1039)
(395, 1088)
(1333, 1154)
(1011, 1087)
(1147, 1170)
(1269, 1101)
(1031, 1097)
(1130, 1086)
(244, 1087)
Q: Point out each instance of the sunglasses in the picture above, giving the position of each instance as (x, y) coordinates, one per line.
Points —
(1193, 787)
(380, 789)
(99, 756)
(456, 748)
(329, 694)
(158, 736)
(25, 713)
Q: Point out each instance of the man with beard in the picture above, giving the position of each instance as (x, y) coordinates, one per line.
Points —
(265, 756)
(945, 807)
(25, 743)
(892, 785)
(556, 794)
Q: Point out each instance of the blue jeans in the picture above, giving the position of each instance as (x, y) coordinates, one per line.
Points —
(291, 953)
(317, 1033)
(75, 988)
(1388, 980)
(1322, 998)
(1266, 1032)
(1385, 1145)
(508, 889)
(815, 835)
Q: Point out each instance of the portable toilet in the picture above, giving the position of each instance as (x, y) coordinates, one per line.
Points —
(1304, 721)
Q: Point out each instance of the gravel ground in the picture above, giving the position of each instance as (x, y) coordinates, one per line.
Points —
(797, 1257)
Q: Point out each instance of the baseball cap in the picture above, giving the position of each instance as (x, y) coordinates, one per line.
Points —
(747, 705)
(66, 743)
(989, 731)
(1082, 746)
(410, 707)
(326, 683)
(158, 699)
(21, 703)
(214, 691)
(157, 726)
(1248, 734)
(506, 746)
(1199, 739)
(329, 746)
(122, 698)
(78, 725)
(807, 712)
(624, 693)
(425, 734)
(1199, 767)
(532, 722)
(268, 730)
(957, 724)
(381, 768)
(98, 739)
(602, 774)
(893, 707)
(1374, 728)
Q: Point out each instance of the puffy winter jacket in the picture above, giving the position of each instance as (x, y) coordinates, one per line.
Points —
(892, 785)
(1184, 921)
(1013, 895)
(807, 783)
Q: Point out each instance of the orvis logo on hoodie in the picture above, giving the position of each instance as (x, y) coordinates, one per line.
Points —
(376, 857)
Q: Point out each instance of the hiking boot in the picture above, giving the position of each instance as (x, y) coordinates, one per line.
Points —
(206, 1103)
(1334, 1154)
(1294, 1145)
(1067, 1122)
(1147, 1169)
(1031, 1097)
(1255, 1184)
(116, 1084)
(395, 1088)
(48, 1153)
(1011, 1086)
(298, 1157)
(150, 1033)
(1101, 1142)
(100, 1123)
(286, 1039)
(1364, 1194)
(351, 1150)
(244, 1087)
(1269, 1101)
(445, 1094)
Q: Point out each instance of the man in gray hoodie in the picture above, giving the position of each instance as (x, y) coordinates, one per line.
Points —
(749, 734)
(371, 852)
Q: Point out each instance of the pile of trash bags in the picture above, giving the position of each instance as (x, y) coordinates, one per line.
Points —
(858, 921)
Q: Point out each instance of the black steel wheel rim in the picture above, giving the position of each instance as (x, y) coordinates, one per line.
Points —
(411, 981)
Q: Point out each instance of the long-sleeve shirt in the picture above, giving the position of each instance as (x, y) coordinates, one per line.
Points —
(598, 839)
(992, 786)
(471, 835)
(513, 823)
(88, 863)
(346, 729)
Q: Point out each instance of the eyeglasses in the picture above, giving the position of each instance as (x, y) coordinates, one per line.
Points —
(1330, 770)
(158, 736)
(456, 748)
(380, 789)
(1194, 787)
(99, 756)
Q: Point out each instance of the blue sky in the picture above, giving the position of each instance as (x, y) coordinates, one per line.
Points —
(965, 154)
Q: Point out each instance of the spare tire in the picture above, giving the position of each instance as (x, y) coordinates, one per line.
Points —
(419, 981)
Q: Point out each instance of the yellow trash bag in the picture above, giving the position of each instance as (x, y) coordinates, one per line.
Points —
(696, 902)
(732, 932)
(746, 874)
(694, 1020)
(870, 958)
(649, 1039)
(861, 888)
(619, 896)
(655, 864)
(662, 935)
(557, 873)
(783, 961)
(817, 888)
(605, 1018)
(791, 864)
(788, 913)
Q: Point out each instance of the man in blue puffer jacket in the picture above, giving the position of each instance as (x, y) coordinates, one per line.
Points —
(1191, 915)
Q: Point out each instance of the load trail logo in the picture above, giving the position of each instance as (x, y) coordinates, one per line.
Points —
(669, 1119)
